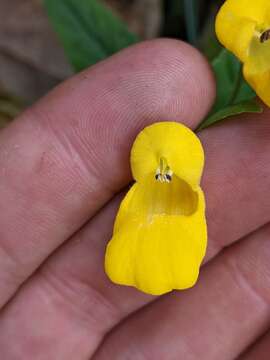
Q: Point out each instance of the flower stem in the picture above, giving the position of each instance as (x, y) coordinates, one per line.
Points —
(191, 18)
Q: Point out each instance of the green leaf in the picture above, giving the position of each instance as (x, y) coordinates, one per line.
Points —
(234, 95)
(249, 106)
(88, 30)
(231, 86)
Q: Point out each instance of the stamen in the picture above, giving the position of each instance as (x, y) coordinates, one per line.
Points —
(163, 173)
(265, 36)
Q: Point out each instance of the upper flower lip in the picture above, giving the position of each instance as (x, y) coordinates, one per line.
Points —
(239, 20)
(178, 145)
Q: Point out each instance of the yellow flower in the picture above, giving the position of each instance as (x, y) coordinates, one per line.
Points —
(243, 27)
(159, 238)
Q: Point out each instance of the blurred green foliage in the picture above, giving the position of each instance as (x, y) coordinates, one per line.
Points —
(90, 33)
(88, 30)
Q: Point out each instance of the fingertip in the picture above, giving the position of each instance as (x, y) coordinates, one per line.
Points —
(182, 71)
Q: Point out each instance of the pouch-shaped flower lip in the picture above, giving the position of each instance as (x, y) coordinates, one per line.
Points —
(243, 27)
(159, 237)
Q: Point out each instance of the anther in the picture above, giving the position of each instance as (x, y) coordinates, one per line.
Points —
(163, 173)
(265, 36)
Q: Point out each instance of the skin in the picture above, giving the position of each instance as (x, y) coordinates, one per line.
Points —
(64, 164)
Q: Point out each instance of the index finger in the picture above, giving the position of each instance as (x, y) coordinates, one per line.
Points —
(65, 157)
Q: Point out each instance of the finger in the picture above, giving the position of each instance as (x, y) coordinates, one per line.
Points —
(217, 319)
(64, 158)
(259, 351)
(237, 178)
(79, 264)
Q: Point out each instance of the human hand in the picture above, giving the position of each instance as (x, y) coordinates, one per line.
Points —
(62, 164)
